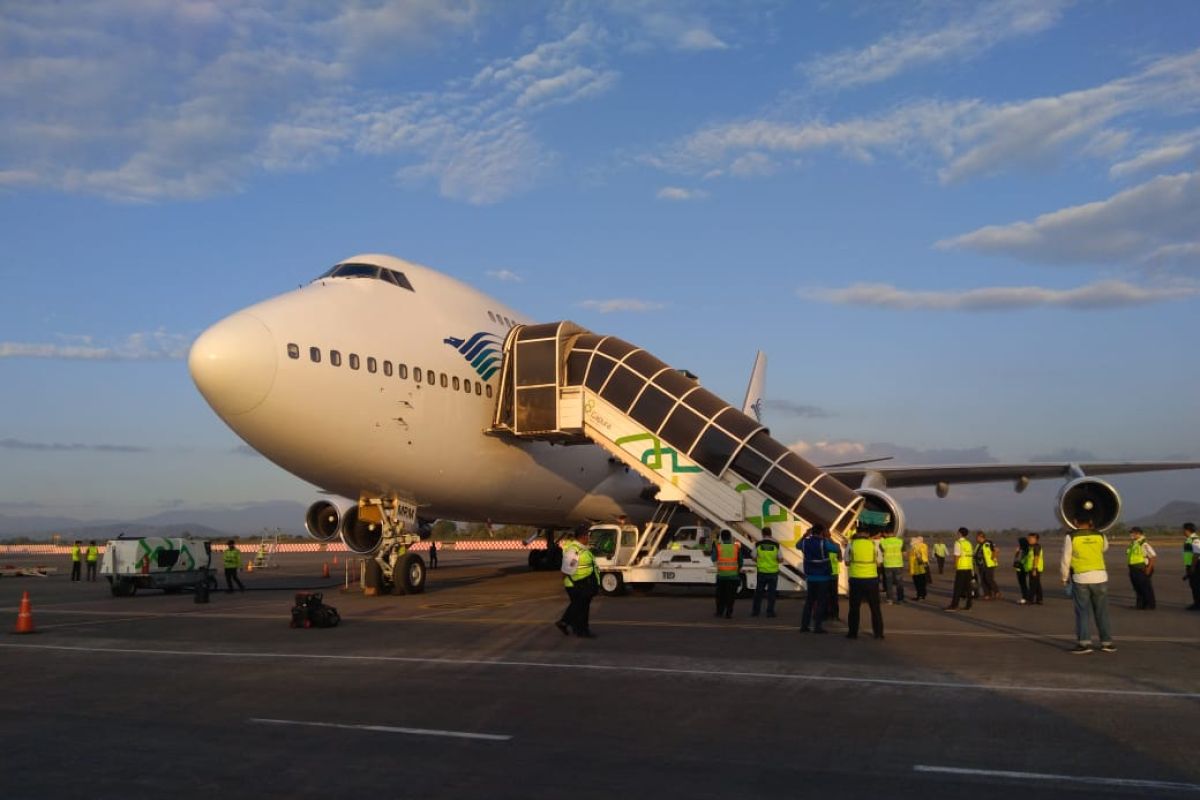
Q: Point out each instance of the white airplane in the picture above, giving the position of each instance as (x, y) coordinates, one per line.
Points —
(377, 381)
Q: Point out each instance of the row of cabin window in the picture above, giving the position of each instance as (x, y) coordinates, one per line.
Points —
(503, 320)
(401, 370)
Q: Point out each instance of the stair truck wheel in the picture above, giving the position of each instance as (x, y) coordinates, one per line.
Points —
(611, 583)
(372, 577)
(410, 574)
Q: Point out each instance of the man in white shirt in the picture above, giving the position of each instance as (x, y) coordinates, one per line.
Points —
(1083, 567)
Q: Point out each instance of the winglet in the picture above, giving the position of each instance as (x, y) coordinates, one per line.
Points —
(756, 389)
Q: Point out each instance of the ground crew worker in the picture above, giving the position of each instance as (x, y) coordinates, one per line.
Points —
(835, 571)
(986, 561)
(766, 559)
(727, 555)
(939, 552)
(918, 565)
(1191, 563)
(93, 553)
(892, 546)
(818, 550)
(1034, 564)
(864, 585)
(433, 548)
(582, 584)
(1140, 556)
(1083, 566)
(232, 560)
(964, 566)
(1019, 569)
(76, 555)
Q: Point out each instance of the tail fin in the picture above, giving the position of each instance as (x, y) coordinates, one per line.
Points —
(756, 390)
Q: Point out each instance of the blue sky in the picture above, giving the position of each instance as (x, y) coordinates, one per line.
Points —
(961, 231)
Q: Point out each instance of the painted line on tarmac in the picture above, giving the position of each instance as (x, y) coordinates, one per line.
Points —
(622, 669)
(487, 737)
(1124, 783)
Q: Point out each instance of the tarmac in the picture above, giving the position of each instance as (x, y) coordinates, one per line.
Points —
(468, 690)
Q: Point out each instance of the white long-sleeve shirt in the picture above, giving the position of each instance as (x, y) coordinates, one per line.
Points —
(1091, 576)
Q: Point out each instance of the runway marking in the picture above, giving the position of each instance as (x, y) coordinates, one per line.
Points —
(631, 668)
(1127, 783)
(489, 737)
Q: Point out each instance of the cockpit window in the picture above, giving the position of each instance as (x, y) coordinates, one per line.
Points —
(369, 271)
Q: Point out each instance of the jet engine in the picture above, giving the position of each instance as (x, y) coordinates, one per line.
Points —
(360, 536)
(880, 512)
(324, 518)
(1090, 498)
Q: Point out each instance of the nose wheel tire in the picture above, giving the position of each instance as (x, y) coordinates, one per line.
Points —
(409, 576)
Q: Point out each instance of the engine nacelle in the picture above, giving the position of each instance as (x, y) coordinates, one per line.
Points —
(359, 536)
(1090, 498)
(324, 518)
(880, 512)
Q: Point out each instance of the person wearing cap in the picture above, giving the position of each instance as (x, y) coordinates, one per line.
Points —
(1082, 567)
(1140, 557)
(1191, 563)
(581, 583)
(727, 555)
(818, 552)
(766, 562)
(964, 566)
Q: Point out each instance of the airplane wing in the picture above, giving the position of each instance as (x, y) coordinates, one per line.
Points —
(901, 477)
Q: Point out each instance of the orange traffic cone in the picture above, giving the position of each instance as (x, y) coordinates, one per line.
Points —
(24, 616)
(249, 566)
(325, 570)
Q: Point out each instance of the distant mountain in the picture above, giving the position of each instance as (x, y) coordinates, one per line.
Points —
(1172, 515)
(247, 520)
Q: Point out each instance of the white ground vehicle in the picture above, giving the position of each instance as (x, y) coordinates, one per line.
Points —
(170, 563)
(627, 557)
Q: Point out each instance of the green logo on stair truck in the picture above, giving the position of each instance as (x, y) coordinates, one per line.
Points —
(653, 456)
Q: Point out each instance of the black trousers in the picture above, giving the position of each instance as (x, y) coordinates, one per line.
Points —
(75, 568)
(816, 602)
(1143, 587)
(726, 593)
(578, 611)
(1194, 582)
(91, 573)
(962, 587)
(1035, 587)
(1023, 582)
(433, 559)
(231, 577)
(920, 579)
(941, 564)
(834, 611)
(864, 589)
(987, 582)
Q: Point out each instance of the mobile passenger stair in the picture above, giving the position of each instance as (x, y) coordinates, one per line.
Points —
(567, 385)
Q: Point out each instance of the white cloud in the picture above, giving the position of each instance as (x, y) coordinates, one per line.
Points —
(968, 138)
(842, 449)
(197, 98)
(158, 345)
(621, 304)
(670, 25)
(1094, 296)
(505, 275)
(679, 193)
(1129, 227)
(966, 36)
(1164, 152)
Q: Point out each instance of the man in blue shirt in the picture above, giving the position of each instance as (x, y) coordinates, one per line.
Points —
(816, 550)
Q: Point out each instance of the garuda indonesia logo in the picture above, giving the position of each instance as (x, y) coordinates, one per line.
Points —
(481, 351)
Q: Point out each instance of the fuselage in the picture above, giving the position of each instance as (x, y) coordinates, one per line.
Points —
(380, 378)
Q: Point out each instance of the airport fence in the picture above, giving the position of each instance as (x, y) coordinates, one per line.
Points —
(295, 547)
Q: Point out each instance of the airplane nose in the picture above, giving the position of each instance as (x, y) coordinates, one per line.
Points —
(233, 364)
